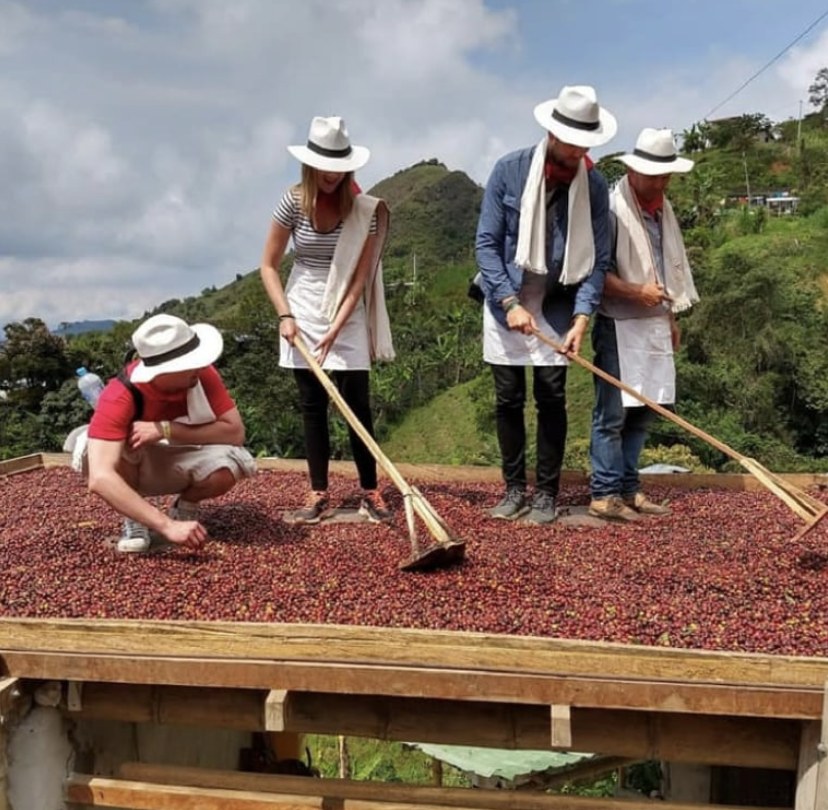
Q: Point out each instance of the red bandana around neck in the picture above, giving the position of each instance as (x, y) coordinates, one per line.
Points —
(562, 175)
(653, 206)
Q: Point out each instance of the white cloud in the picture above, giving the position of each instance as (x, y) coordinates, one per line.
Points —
(142, 147)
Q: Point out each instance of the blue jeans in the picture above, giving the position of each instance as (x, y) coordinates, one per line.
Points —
(618, 433)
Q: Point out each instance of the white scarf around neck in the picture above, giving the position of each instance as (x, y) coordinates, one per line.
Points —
(579, 252)
(633, 251)
(346, 256)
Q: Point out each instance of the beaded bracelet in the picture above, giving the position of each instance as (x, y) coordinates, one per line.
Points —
(511, 305)
(287, 316)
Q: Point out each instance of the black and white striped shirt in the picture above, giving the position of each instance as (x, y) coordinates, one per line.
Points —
(311, 248)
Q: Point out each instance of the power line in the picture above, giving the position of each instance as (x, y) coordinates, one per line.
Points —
(761, 70)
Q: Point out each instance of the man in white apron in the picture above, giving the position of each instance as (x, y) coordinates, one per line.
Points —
(542, 249)
(635, 332)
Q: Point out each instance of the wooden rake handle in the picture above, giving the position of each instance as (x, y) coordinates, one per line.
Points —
(410, 494)
(799, 502)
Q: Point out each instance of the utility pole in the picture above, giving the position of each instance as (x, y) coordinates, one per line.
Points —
(799, 130)
(747, 179)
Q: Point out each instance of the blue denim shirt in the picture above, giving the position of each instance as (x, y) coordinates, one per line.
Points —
(497, 233)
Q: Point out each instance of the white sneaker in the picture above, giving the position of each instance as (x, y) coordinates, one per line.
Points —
(135, 538)
(183, 510)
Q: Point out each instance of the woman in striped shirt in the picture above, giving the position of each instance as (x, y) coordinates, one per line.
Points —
(315, 213)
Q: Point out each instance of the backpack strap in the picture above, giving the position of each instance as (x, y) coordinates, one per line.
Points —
(137, 396)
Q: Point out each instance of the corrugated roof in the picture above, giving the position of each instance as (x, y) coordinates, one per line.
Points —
(506, 764)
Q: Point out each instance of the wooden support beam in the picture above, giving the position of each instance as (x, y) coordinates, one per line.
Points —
(802, 702)
(9, 692)
(74, 692)
(561, 727)
(327, 793)
(275, 710)
(822, 753)
(745, 742)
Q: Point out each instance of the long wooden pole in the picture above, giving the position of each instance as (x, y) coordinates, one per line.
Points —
(804, 505)
(425, 511)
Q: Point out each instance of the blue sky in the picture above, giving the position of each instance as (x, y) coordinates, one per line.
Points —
(142, 142)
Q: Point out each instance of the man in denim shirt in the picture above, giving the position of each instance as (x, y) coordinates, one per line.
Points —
(543, 250)
(635, 331)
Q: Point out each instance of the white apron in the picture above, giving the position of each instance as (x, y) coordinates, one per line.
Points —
(350, 351)
(506, 347)
(645, 357)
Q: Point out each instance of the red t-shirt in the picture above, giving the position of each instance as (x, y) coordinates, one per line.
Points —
(115, 410)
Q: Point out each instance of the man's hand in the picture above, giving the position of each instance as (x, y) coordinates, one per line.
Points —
(575, 335)
(188, 533)
(143, 433)
(520, 319)
(651, 295)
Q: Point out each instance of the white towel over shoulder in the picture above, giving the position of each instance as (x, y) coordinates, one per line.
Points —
(579, 254)
(633, 253)
(346, 257)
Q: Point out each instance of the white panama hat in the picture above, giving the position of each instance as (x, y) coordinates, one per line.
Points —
(329, 147)
(576, 117)
(166, 344)
(655, 154)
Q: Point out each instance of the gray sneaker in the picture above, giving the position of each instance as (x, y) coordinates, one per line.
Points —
(512, 506)
(543, 509)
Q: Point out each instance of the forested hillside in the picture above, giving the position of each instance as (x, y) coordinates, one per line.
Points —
(753, 368)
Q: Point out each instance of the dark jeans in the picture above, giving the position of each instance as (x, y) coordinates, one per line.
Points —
(549, 388)
(313, 399)
(618, 433)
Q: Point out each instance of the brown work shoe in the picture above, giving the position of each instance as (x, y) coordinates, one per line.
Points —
(374, 507)
(316, 504)
(612, 508)
(641, 503)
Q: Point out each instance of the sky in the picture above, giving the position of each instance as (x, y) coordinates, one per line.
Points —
(143, 142)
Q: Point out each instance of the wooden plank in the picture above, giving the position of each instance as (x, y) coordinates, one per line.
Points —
(408, 648)
(795, 703)
(100, 792)
(275, 710)
(807, 767)
(746, 742)
(12, 466)
(822, 752)
(692, 698)
(9, 692)
(560, 721)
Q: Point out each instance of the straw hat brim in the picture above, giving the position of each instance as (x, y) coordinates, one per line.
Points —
(678, 165)
(210, 345)
(356, 160)
(607, 126)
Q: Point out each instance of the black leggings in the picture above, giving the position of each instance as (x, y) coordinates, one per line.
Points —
(313, 399)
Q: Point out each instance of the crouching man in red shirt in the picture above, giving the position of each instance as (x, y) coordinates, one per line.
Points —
(166, 426)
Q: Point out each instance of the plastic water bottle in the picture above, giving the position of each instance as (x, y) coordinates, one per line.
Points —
(90, 385)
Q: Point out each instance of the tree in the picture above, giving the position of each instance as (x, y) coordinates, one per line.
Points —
(32, 362)
(818, 91)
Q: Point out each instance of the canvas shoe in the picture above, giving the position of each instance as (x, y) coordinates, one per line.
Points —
(612, 508)
(374, 507)
(641, 503)
(316, 504)
(512, 506)
(183, 510)
(135, 538)
(543, 509)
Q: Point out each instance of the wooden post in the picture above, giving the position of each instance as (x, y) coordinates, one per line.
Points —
(812, 771)
(561, 727)
(344, 758)
(275, 709)
(9, 690)
(74, 699)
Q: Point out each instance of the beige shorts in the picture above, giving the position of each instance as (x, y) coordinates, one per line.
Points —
(170, 469)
